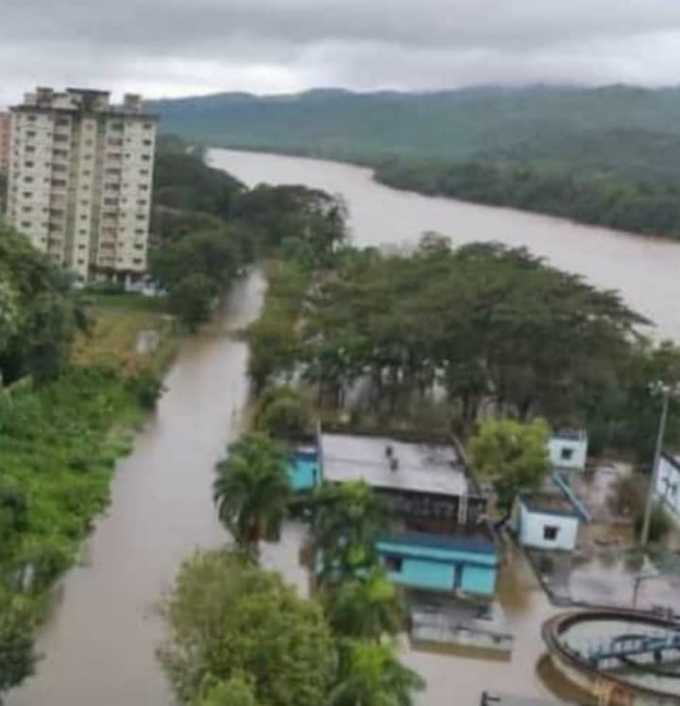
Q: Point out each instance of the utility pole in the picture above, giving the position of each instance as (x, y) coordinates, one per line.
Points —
(666, 393)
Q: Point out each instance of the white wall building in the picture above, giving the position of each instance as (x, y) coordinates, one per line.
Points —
(80, 177)
(546, 521)
(668, 485)
(568, 450)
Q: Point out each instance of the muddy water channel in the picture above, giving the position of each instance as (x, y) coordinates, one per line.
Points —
(99, 643)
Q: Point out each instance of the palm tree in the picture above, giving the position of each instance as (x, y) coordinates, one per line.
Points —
(347, 520)
(367, 606)
(371, 675)
(252, 490)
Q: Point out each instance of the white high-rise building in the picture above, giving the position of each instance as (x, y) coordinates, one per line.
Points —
(80, 180)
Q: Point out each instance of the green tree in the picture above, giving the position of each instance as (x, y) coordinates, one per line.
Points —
(512, 455)
(371, 675)
(252, 490)
(17, 658)
(347, 520)
(366, 606)
(192, 299)
(282, 413)
(228, 618)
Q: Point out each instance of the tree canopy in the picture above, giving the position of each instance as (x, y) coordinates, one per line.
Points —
(39, 314)
(252, 490)
(229, 619)
(512, 455)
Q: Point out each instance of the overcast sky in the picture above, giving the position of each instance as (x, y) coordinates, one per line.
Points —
(187, 47)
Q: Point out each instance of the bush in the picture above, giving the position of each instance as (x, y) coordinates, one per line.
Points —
(147, 388)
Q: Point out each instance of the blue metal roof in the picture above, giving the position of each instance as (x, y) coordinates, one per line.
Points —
(455, 543)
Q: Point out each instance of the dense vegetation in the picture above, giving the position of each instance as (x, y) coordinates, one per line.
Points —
(208, 226)
(452, 125)
(607, 156)
(436, 339)
(605, 197)
(57, 443)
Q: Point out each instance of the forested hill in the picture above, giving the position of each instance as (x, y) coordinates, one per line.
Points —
(608, 156)
(448, 125)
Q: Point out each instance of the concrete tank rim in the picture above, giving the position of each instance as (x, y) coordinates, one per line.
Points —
(558, 624)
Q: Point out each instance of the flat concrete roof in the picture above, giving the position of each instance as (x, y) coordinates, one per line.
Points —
(421, 468)
(548, 503)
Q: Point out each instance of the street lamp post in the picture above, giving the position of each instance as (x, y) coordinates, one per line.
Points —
(665, 391)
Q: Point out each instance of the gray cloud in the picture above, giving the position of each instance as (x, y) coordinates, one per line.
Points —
(175, 47)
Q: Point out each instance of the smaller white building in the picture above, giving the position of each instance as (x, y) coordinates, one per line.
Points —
(568, 450)
(546, 521)
(668, 485)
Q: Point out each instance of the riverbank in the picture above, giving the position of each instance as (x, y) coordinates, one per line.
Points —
(625, 206)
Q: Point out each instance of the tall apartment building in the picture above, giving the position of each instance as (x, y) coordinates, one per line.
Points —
(80, 180)
(5, 123)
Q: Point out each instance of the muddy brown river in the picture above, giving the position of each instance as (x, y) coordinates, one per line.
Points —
(99, 643)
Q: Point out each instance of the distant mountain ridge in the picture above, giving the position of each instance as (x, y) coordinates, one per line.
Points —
(448, 125)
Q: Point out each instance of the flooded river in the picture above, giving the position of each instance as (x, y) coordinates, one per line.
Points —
(645, 270)
(99, 644)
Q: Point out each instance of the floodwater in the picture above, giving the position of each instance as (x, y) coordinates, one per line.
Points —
(100, 641)
(99, 644)
(645, 270)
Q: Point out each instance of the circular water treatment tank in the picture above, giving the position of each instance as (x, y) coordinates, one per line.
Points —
(620, 657)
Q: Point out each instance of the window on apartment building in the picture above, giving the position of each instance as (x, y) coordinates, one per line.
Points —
(28, 180)
(148, 126)
(137, 261)
(27, 194)
(28, 165)
(62, 122)
(144, 172)
(30, 133)
(142, 202)
(138, 246)
(394, 563)
(550, 532)
(25, 224)
(81, 262)
(143, 187)
(31, 118)
(30, 148)
(147, 143)
(111, 202)
(567, 454)
(27, 209)
(146, 157)
(141, 217)
(61, 138)
(139, 231)
(116, 127)
(115, 141)
(83, 216)
(82, 231)
(58, 182)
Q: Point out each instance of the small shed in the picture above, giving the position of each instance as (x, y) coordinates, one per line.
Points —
(546, 521)
(466, 564)
(568, 449)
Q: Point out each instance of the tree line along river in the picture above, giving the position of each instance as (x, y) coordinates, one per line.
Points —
(99, 642)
